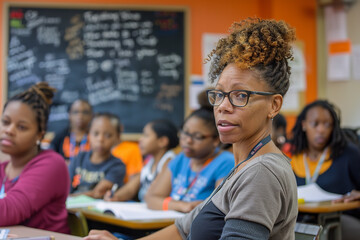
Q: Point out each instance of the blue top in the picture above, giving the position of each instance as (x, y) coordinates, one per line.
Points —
(84, 175)
(182, 180)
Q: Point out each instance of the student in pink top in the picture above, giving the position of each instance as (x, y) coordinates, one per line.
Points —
(34, 184)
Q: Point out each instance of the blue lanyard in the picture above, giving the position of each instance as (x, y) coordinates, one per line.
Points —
(255, 149)
(2, 190)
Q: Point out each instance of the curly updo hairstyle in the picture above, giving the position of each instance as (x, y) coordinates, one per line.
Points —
(263, 46)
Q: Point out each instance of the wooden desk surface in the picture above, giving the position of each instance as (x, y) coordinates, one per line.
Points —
(23, 231)
(132, 224)
(327, 207)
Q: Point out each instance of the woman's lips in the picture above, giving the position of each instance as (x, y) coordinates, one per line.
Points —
(225, 126)
(6, 142)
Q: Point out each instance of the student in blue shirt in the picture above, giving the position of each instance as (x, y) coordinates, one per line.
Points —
(196, 171)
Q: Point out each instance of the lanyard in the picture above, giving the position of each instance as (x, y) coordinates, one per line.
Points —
(192, 183)
(255, 149)
(73, 152)
(2, 190)
(315, 176)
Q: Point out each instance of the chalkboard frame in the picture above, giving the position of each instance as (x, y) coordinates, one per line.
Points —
(186, 54)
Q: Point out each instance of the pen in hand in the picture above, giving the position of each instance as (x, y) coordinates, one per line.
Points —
(113, 190)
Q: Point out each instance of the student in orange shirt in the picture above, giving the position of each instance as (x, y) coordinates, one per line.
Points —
(130, 154)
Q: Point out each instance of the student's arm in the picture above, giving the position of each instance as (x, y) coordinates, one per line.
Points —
(100, 189)
(160, 189)
(354, 195)
(170, 232)
(126, 192)
(39, 183)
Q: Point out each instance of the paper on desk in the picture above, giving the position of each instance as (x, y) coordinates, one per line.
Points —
(80, 201)
(135, 211)
(313, 193)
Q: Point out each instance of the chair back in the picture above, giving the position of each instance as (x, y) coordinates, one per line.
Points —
(77, 223)
(305, 231)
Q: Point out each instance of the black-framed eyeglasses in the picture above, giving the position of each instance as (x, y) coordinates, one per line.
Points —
(194, 136)
(238, 98)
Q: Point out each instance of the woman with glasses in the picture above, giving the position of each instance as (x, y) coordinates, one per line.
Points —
(321, 155)
(258, 199)
(192, 175)
(74, 139)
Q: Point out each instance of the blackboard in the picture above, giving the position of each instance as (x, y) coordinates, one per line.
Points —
(127, 60)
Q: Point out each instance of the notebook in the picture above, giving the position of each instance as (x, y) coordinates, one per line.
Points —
(135, 211)
(313, 193)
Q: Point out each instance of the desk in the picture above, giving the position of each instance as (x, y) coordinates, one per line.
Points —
(134, 228)
(328, 215)
(23, 231)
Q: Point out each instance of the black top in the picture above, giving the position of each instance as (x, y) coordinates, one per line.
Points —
(210, 223)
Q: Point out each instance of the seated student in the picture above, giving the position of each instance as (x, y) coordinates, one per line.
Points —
(74, 139)
(194, 173)
(93, 173)
(156, 142)
(130, 154)
(278, 134)
(34, 184)
(322, 155)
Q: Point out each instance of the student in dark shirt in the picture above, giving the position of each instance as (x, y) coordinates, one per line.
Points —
(322, 155)
(95, 172)
(258, 200)
(74, 139)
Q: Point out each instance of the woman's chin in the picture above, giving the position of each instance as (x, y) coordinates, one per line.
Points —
(227, 139)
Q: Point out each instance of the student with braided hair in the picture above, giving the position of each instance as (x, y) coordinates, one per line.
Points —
(258, 199)
(28, 193)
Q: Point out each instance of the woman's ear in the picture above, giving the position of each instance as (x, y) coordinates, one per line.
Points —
(276, 103)
(40, 136)
(163, 142)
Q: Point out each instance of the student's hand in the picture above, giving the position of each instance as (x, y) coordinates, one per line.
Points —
(353, 196)
(100, 235)
(107, 197)
(188, 206)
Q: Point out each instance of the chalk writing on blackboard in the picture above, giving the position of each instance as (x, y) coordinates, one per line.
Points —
(127, 61)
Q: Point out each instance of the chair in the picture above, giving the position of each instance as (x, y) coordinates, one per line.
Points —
(305, 231)
(77, 223)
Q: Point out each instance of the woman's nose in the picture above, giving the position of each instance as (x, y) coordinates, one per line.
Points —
(10, 129)
(225, 105)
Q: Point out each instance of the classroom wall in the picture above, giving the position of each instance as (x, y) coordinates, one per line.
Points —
(344, 94)
(210, 16)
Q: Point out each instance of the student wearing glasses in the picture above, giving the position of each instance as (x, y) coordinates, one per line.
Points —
(73, 140)
(258, 199)
(196, 171)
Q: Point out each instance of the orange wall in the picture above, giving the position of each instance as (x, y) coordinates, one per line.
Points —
(214, 16)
